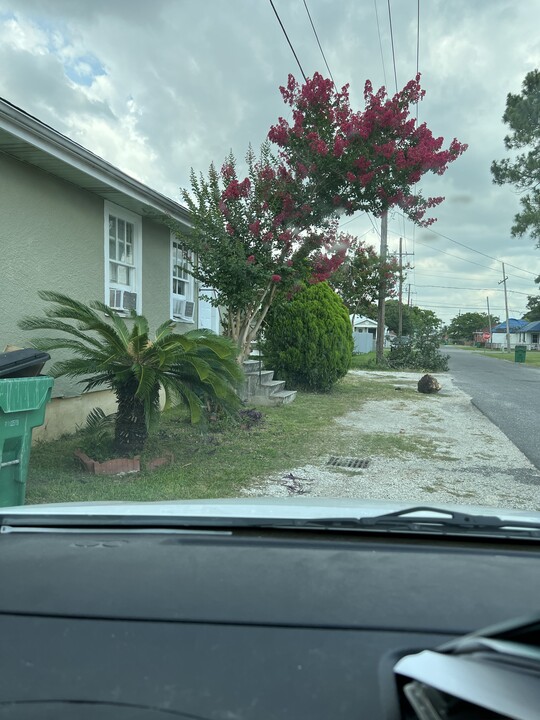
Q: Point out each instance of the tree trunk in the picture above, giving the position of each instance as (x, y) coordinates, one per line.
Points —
(131, 431)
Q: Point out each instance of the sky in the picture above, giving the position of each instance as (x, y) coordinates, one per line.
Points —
(157, 88)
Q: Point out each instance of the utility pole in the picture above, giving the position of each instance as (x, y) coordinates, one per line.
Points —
(400, 305)
(489, 320)
(409, 296)
(400, 294)
(503, 281)
(382, 289)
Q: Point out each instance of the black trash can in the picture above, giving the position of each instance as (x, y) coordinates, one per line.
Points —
(22, 363)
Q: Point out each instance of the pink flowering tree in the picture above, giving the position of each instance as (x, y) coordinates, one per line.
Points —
(369, 159)
(255, 237)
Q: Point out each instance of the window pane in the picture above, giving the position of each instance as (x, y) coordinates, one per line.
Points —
(129, 253)
(179, 287)
(129, 232)
(112, 249)
(123, 275)
(112, 226)
(113, 272)
(121, 251)
(121, 229)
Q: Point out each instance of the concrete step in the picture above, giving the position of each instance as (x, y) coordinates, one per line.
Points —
(270, 387)
(282, 397)
(253, 382)
(251, 366)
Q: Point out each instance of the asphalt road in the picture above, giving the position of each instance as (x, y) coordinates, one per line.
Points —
(507, 393)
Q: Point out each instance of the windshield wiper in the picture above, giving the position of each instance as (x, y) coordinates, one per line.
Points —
(439, 520)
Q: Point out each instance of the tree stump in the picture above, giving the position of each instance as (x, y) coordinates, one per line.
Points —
(428, 384)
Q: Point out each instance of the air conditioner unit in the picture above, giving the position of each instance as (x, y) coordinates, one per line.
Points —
(183, 309)
(122, 300)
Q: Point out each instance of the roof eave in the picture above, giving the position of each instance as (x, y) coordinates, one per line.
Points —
(39, 135)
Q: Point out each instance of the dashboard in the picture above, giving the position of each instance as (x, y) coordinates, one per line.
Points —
(238, 624)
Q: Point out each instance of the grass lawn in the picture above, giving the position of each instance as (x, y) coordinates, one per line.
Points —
(367, 361)
(222, 460)
(532, 357)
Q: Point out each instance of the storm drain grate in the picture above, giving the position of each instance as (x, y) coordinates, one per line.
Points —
(347, 462)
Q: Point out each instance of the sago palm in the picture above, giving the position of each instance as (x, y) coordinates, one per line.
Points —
(109, 352)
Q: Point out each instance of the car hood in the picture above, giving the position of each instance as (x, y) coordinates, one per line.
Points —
(257, 508)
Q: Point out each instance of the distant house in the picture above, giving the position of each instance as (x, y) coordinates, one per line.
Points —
(498, 333)
(529, 335)
(365, 334)
(72, 222)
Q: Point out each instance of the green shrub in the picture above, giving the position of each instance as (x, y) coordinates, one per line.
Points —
(421, 352)
(308, 339)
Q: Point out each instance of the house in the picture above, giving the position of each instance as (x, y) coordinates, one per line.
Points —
(72, 222)
(365, 334)
(529, 335)
(498, 333)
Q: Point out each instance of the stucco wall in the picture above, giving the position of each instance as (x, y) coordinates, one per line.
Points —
(51, 237)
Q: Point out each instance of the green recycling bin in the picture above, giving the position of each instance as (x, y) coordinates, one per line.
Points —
(520, 353)
(22, 408)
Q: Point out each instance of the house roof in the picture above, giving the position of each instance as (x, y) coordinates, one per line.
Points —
(26, 138)
(360, 320)
(532, 327)
(515, 325)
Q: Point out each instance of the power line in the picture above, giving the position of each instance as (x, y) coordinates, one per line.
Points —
(392, 41)
(380, 42)
(290, 43)
(478, 252)
(472, 262)
(319, 44)
(454, 287)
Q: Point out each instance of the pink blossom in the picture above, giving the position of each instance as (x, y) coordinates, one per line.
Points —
(251, 259)
(276, 278)
(255, 227)
(227, 171)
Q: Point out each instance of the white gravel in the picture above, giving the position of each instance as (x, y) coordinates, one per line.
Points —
(472, 461)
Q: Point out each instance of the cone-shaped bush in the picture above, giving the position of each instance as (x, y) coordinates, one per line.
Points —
(308, 339)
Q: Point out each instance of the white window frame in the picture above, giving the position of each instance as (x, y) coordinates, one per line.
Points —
(189, 295)
(136, 285)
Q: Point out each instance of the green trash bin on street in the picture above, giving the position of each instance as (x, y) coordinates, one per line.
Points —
(520, 353)
(22, 407)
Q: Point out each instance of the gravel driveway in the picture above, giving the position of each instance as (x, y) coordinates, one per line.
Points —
(471, 461)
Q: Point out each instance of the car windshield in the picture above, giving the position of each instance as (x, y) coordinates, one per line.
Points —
(271, 250)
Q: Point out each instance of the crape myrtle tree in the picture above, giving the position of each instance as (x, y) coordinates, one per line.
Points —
(255, 236)
(368, 159)
(358, 278)
(278, 225)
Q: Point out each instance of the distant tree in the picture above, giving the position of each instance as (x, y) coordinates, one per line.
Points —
(463, 327)
(533, 306)
(391, 317)
(415, 320)
(358, 279)
(522, 115)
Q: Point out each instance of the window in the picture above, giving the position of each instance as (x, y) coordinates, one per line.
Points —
(182, 302)
(123, 236)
